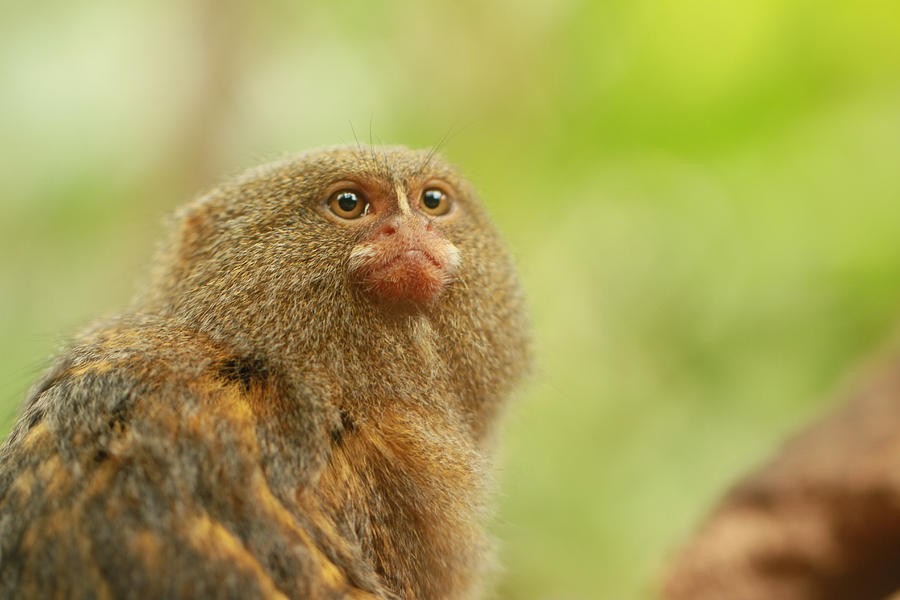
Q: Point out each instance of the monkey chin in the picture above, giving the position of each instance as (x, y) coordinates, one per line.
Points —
(405, 277)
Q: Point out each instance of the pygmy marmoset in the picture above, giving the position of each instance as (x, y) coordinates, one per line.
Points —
(300, 404)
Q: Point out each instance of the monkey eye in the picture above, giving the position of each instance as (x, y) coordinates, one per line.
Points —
(348, 204)
(436, 202)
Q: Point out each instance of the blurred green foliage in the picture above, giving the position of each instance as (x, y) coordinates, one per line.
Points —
(703, 197)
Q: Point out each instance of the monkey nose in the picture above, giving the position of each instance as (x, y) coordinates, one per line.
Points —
(403, 226)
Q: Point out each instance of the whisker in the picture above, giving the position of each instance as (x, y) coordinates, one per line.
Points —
(437, 147)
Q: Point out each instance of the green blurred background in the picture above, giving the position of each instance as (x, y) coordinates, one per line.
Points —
(704, 199)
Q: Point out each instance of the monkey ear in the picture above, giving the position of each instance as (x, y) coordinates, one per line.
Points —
(197, 227)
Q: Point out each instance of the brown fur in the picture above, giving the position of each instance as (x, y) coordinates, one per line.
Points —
(257, 426)
(820, 522)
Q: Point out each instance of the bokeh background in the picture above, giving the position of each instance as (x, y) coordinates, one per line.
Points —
(703, 196)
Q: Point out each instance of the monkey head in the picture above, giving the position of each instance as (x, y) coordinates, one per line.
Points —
(350, 248)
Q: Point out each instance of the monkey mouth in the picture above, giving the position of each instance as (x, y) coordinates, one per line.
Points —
(406, 275)
(413, 255)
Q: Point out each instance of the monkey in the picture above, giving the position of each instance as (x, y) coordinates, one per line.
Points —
(819, 521)
(302, 401)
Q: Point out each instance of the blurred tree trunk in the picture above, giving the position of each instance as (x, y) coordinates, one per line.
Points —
(218, 29)
(821, 521)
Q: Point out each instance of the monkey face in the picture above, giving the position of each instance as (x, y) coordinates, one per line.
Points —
(402, 258)
(398, 217)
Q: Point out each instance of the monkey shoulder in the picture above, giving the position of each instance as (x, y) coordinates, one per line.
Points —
(140, 466)
(131, 381)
